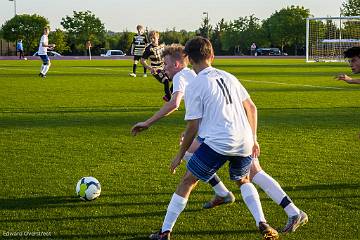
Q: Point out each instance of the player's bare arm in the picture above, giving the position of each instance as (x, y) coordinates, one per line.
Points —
(192, 128)
(166, 110)
(346, 78)
(147, 66)
(251, 112)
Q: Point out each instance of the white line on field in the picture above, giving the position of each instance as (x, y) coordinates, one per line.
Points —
(294, 84)
(27, 70)
(105, 69)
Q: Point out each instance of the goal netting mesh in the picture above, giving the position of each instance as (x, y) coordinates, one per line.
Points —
(327, 38)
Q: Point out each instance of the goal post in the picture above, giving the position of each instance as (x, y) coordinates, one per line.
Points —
(328, 37)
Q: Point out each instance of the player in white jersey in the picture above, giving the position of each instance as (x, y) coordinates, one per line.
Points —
(220, 110)
(42, 52)
(175, 66)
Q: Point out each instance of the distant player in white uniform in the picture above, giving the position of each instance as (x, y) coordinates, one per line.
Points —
(219, 109)
(175, 67)
(42, 52)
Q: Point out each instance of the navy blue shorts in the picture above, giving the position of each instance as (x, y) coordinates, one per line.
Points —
(205, 162)
(45, 59)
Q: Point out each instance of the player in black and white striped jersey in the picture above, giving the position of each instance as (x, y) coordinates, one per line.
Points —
(138, 45)
(154, 52)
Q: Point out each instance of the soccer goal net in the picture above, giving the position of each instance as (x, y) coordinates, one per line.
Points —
(327, 38)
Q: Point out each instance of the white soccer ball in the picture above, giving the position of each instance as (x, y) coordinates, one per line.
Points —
(25, 58)
(88, 188)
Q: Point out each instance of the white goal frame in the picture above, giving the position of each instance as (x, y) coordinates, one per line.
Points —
(318, 50)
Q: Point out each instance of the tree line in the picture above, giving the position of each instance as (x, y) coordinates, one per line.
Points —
(284, 29)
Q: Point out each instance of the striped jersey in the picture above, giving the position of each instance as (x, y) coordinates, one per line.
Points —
(154, 53)
(139, 44)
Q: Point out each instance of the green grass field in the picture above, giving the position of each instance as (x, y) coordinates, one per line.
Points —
(77, 122)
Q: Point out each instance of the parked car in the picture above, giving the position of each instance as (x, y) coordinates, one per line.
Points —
(268, 52)
(113, 53)
(50, 54)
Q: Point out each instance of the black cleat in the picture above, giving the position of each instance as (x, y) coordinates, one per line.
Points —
(160, 236)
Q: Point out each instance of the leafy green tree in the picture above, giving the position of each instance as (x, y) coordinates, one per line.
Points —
(287, 27)
(205, 29)
(29, 28)
(59, 38)
(83, 27)
(173, 36)
(125, 41)
(217, 35)
(351, 8)
(238, 35)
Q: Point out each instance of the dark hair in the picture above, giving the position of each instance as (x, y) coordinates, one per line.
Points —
(352, 52)
(199, 49)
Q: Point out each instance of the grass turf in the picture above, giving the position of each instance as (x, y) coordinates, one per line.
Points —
(77, 122)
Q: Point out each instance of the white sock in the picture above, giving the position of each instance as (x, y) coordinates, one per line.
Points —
(42, 68)
(220, 189)
(273, 189)
(252, 201)
(176, 206)
(187, 156)
(46, 69)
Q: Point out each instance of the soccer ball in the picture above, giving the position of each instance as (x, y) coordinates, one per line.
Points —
(25, 58)
(88, 188)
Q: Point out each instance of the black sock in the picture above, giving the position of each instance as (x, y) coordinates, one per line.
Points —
(134, 68)
(214, 181)
(167, 89)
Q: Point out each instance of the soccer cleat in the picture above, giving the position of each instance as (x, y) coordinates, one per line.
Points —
(132, 74)
(145, 75)
(217, 200)
(295, 221)
(42, 75)
(268, 232)
(160, 236)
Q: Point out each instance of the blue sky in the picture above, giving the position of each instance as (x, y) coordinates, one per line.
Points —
(118, 15)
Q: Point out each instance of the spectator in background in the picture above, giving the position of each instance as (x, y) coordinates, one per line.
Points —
(253, 49)
(20, 49)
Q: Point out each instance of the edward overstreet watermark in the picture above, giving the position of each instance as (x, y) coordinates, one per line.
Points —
(26, 234)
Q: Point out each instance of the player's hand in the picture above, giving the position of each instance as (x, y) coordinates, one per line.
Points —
(343, 77)
(255, 150)
(175, 163)
(153, 71)
(139, 127)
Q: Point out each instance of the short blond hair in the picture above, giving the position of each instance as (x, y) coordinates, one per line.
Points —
(176, 52)
(154, 33)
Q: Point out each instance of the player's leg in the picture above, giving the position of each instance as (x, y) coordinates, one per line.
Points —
(239, 169)
(45, 61)
(145, 75)
(222, 194)
(176, 206)
(47, 66)
(163, 78)
(272, 188)
(136, 61)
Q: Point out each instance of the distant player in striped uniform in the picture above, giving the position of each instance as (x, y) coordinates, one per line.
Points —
(154, 52)
(42, 52)
(137, 48)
